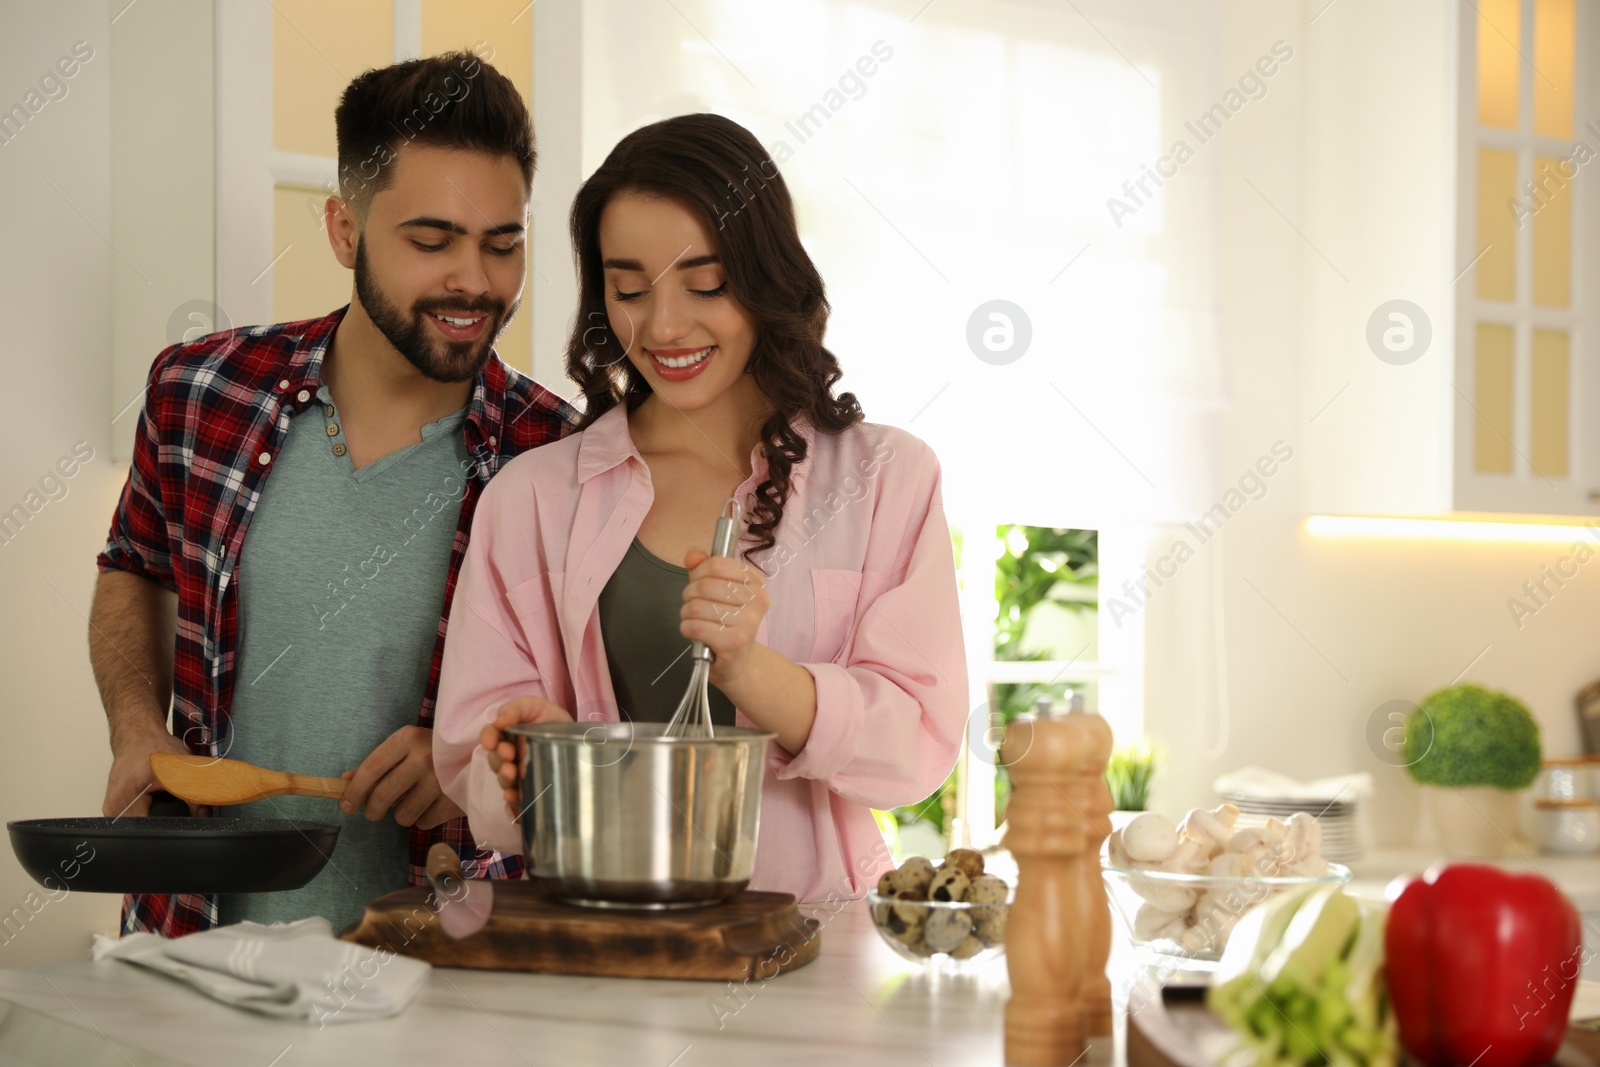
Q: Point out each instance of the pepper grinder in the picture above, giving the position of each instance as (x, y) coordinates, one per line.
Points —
(1093, 798)
(1058, 935)
(1047, 942)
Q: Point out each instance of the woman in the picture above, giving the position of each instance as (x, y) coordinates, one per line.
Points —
(835, 624)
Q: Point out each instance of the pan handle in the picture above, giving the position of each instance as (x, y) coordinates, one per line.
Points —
(163, 803)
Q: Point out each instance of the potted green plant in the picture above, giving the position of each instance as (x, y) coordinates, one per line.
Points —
(1476, 748)
(1129, 773)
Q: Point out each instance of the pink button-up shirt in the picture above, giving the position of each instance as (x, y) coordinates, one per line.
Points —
(863, 596)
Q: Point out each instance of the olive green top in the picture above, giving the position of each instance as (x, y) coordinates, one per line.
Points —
(648, 657)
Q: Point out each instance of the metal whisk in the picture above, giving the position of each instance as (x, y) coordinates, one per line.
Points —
(693, 717)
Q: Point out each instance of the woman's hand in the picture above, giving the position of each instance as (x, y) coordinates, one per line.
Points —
(503, 750)
(723, 605)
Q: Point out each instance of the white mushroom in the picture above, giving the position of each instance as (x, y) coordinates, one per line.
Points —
(1189, 858)
(1310, 867)
(1212, 829)
(1164, 894)
(1245, 840)
(1114, 851)
(1303, 840)
(1215, 915)
(1149, 837)
(1271, 835)
(1209, 938)
(1252, 862)
(1215, 907)
(1154, 924)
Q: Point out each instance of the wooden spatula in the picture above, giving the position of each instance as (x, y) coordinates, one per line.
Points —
(205, 780)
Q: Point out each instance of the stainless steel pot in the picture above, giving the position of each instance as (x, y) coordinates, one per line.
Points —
(619, 815)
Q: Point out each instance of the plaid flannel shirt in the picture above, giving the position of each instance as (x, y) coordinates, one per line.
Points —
(216, 411)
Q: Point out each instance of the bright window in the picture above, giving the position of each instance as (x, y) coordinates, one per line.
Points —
(980, 153)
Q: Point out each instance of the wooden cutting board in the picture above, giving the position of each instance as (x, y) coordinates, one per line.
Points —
(751, 936)
(1179, 1031)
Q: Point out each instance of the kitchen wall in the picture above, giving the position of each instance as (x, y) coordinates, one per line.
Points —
(1318, 634)
(1314, 635)
(55, 301)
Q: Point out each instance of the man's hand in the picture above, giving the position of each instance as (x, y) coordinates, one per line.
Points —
(399, 774)
(131, 782)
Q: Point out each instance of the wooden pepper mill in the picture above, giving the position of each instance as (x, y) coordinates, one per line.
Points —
(1058, 934)
(1095, 803)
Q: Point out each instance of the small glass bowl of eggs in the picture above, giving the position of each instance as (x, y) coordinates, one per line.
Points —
(951, 915)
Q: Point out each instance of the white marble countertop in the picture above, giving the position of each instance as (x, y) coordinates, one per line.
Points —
(1576, 876)
(857, 1003)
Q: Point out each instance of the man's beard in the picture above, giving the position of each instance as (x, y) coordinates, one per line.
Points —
(438, 358)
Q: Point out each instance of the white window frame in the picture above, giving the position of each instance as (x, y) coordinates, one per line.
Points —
(1118, 670)
(249, 166)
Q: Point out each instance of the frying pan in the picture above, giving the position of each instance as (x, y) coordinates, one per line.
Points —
(171, 852)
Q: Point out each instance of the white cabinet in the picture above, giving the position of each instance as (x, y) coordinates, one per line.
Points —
(1451, 271)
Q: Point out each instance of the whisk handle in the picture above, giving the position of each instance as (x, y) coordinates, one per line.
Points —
(722, 542)
(727, 528)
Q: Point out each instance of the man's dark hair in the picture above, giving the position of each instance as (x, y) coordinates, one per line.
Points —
(451, 100)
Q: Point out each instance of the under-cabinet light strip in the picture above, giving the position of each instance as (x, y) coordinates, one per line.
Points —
(1350, 526)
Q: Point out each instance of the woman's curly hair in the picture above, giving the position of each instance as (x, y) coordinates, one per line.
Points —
(718, 169)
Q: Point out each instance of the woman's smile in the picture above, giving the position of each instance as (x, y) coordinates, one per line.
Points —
(680, 364)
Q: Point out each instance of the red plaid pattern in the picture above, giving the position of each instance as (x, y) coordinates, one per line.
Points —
(216, 412)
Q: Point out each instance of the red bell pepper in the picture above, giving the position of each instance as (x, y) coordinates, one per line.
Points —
(1482, 965)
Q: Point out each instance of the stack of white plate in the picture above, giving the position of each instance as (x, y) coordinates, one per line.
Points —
(1341, 835)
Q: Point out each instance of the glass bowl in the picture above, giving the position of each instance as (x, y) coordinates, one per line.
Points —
(1184, 920)
(903, 926)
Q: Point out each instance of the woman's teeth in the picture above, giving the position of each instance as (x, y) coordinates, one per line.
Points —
(684, 361)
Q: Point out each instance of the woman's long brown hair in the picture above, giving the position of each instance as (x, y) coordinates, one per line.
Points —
(717, 168)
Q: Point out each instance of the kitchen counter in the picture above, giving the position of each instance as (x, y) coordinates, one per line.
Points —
(1576, 876)
(858, 1003)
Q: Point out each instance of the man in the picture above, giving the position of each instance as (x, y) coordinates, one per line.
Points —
(281, 564)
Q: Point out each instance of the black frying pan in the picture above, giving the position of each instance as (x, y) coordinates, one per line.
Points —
(170, 852)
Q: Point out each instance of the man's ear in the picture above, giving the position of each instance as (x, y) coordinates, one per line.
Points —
(339, 219)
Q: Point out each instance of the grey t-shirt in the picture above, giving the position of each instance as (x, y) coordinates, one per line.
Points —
(647, 656)
(341, 582)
